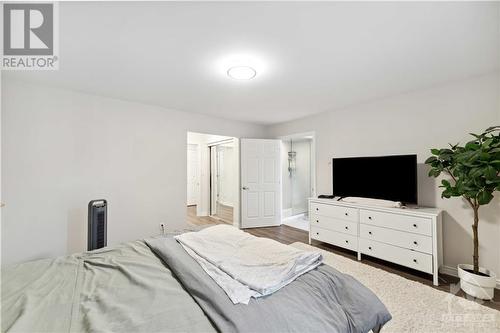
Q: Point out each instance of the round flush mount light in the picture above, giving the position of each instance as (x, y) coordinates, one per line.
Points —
(241, 72)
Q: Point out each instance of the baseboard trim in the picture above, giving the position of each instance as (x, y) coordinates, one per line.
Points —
(228, 204)
(203, 213)
(453, 271)
(448, 270)
(286, 213)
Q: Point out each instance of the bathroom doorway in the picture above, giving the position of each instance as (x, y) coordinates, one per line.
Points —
(298, 178)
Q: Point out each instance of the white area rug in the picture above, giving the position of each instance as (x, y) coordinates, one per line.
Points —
(297, 221)
(414, 306)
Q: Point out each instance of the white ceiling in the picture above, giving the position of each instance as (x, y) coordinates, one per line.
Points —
(311, 56)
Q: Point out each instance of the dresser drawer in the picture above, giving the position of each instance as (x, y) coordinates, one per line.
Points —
(407, 240)
(417, 225)
(338, 212)
(405, 257)
(336, 238)
(330, 223)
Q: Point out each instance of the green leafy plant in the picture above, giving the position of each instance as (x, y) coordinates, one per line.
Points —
(474, 170)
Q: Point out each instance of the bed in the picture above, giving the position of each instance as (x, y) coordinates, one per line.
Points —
(155, 286)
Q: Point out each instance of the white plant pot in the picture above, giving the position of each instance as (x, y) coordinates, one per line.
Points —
(482, 287)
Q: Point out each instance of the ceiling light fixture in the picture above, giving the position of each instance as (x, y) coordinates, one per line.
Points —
(241, 72)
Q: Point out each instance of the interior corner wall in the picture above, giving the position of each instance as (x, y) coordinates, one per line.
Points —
(414, 123)
(61, 149)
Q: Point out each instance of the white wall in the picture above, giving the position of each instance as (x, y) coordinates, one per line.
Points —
(61, 149)
(414, 123)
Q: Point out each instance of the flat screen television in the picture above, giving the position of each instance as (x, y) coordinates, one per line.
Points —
(381, 177)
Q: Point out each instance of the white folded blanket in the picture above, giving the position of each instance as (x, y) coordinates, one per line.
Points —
(246, 266)
(373, 202)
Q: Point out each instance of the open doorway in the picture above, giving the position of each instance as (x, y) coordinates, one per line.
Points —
(298, 178)
(212, 179)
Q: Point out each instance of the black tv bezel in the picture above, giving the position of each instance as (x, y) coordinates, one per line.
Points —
(381, 156)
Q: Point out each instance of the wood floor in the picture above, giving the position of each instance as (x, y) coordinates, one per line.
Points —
(288, 235)
(207, 220)
(225, 213)
(199, 220)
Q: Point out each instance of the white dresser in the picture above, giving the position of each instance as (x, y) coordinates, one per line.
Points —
(410, 237)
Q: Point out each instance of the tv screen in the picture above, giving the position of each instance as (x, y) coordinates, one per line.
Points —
(383, 177)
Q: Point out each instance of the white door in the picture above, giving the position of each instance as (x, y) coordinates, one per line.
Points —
(193, 183)
(260, 183)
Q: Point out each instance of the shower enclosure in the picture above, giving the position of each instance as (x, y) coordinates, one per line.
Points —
(297, 186)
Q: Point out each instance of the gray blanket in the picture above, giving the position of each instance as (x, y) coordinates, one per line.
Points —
(323, 300)
(125, 288)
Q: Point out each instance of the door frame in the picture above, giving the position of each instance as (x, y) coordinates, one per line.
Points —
(212, 207)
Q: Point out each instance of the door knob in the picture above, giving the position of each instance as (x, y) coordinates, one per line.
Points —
(244, 188)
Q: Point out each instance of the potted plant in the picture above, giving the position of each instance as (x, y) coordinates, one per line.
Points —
(474, 174)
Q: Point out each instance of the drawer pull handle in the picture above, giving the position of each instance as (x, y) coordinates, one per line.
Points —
(369, 247)
(415, 242)
(346, 214)
(414, 225)
(346, 228)
(369, 232)
(317, 233)
(317, 208)
(317, 221)
(347, 241)
(369, 217)
(415, 260)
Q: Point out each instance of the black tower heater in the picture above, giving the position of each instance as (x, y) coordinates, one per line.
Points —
(97, 229)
